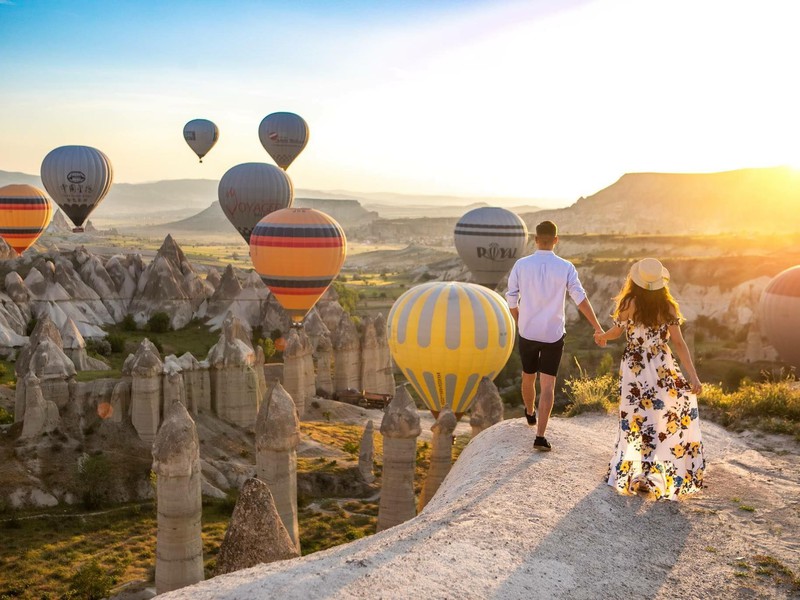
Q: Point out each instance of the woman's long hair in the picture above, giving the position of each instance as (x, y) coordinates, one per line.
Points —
(650, 307)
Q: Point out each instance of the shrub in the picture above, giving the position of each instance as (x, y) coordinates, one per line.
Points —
(351, 448)
(770, 405)
(6, 417)
(98, 346)
(3, 371)
(268, 346)
(348, 298)
(90, 582)
(94, 480)
(588, 393)
(117, 342)
(128, 323)
(158, 322)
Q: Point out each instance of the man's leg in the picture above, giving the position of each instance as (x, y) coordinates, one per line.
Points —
(546, 399)
(529, 391)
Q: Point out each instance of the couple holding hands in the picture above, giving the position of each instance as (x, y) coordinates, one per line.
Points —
(659, 450)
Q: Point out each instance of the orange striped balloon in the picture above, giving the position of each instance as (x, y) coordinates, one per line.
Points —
(25, 212)
(298, 252)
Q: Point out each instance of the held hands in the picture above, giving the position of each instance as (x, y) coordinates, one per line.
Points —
(599, 339)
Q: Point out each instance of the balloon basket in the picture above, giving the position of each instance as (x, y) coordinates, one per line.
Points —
(78, 230)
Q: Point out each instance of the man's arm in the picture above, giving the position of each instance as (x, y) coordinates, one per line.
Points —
(512, 295)
(587, 311)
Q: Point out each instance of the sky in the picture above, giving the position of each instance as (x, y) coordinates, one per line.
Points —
(547, 100)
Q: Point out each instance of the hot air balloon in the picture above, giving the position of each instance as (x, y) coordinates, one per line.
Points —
(77, 179)
(779, 313)
(445, 336)
(25, 212)
(490, 240)
(250, 191)
(283, 135)
(201, 135)
(298, 252)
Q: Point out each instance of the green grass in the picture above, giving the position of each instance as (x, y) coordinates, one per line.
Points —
(772, 406)
(194, 338)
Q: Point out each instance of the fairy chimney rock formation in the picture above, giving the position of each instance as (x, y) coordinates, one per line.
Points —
(45, 328)
(41, 416)
(366, 453)
(369, 356)
(168, 284)
(213, 278)
(174, 389)
(329, 309)
(385, 371)
(322, 365)
(176, 462)
(376, 361)
(441, 454)
(235, 388)
(274, 317)
(255, 532)
(226, 291)
(277, 436)
(196, 382)
(75, 347)
(487, 408)
(296, 357)
(347, 356)
(145, 368)
(315, 328)
(400, 428)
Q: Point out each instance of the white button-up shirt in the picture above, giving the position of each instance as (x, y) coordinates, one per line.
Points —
(538, 286)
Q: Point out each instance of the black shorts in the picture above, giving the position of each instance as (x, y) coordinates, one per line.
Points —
(540, 357)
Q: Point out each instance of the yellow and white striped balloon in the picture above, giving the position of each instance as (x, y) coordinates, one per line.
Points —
(445, 336)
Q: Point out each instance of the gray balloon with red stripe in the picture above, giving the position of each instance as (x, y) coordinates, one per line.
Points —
(779, 314)
(489, 240)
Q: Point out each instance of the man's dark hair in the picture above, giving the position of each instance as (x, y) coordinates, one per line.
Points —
(547, 228)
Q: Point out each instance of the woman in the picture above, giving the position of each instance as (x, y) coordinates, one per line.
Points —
(659, 449)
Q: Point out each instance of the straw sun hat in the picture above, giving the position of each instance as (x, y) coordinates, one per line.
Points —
(649, 274)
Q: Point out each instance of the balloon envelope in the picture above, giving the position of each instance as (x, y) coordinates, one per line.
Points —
(445, 336)
(779, 313)
(298, 252)
(283, 135)
(25, 212)
(490, 240)
(201, 135)
(250, 191)
(77, 179)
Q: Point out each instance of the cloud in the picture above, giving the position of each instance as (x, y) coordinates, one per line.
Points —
(8, 2)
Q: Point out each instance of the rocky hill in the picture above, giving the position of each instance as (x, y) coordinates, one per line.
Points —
(212, 220)
(511, 523)
(744, 200)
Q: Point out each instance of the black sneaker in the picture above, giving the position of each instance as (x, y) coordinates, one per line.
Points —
(531, 418)
(542, 444)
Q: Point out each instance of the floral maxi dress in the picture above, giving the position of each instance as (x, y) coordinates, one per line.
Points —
(659, 443)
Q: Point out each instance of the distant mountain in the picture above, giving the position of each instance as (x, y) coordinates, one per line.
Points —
(212, 220)
(163, 202)
(414, 211)
(731, 201)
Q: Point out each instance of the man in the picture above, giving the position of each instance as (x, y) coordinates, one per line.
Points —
(537, 289)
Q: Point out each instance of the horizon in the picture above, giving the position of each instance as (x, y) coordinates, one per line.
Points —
(512, 100)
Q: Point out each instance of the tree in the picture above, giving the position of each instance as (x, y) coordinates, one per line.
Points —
(158, 322)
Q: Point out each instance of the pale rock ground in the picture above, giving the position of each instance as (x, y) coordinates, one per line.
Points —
(510, 523)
